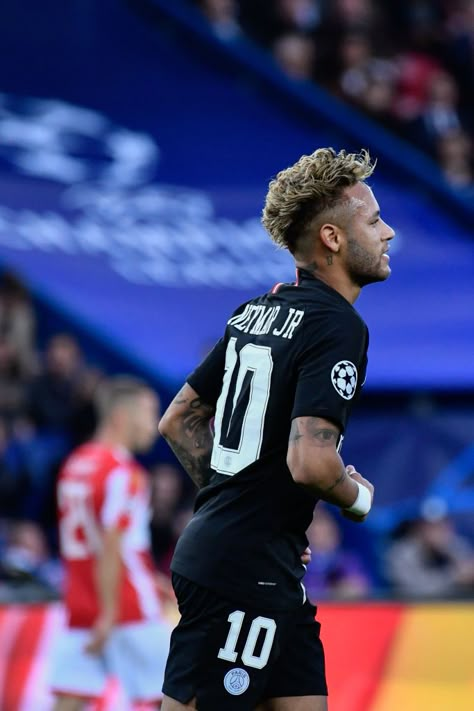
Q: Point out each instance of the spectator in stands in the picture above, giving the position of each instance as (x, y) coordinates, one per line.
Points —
(26, 557)
(440, 115)
(13, 477)
(267, 21)
(166, 496)
(52, 395)
(415, 73)
(17, 352)
(366, 80)
(298, 15)
(429, 559)
(409, 64)
(352, 15)
(13, 383)
(455, 154)
(84, 415)
(334, 572)
(296, 55)
(17, 323)
(459, 47)
(54, 399)
(223, 18)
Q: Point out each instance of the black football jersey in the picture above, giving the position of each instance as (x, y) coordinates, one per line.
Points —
(299, 350)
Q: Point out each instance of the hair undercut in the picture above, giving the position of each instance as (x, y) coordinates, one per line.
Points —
(117, 390)
(315, 183)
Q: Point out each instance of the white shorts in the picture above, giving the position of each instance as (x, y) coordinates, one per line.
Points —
(135, 654)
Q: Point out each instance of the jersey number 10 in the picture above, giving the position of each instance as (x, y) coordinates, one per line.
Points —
(241, 407)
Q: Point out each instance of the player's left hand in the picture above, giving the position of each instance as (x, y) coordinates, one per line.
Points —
(100, 634)
(306, 556)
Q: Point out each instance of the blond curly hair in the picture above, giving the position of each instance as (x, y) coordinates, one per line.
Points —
(304, 190)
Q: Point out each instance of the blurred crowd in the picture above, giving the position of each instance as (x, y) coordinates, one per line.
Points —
(47, 408)
(409, 64)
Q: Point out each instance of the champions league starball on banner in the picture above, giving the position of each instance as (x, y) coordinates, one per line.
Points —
(98, 196)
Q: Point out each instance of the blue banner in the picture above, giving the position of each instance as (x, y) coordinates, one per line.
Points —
(135, 205)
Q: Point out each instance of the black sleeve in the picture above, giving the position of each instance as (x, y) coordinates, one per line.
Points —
(331, 366)
(206, 380)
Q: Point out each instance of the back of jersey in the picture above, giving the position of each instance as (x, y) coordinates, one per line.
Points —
(258, 383)
(100, 489)
(275, 362)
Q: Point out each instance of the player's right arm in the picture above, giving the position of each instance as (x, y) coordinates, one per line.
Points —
(108, 577)
(186, 426)
(115, 516)
(187, 423)
(315, 463)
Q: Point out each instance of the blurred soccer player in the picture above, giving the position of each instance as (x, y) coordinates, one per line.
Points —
(280, 385)
(113, 609)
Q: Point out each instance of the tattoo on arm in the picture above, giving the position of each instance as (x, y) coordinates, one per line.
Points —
(192, 439)
(316, 433)
(338, 481)
(323, 436)
(312, 451)
(311, 428)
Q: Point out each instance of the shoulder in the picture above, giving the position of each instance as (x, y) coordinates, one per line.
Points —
(93, 462)
(334, 320)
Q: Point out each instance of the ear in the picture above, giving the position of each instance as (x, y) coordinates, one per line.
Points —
(331, 237)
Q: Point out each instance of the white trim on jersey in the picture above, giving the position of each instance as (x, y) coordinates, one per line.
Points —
(143, 583)
(116, 496)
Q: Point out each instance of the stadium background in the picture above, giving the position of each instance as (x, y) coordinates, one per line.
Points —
(136, 143)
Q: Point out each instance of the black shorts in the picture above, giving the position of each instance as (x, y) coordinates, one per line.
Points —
(232, 657)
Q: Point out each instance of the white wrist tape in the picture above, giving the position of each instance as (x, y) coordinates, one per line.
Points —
(363, 503)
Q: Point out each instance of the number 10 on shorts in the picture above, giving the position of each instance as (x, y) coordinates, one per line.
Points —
(249, 658)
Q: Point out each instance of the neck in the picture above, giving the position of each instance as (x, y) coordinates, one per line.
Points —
(333, 277)
(111, 437)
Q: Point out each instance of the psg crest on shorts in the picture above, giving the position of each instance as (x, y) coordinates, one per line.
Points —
(236, 681)
(344, 378)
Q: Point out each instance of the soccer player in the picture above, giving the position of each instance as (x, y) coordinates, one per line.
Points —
(277, 390)
(114, 624)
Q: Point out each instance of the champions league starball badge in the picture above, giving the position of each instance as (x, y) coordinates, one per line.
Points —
(236, 681)
(344, 378)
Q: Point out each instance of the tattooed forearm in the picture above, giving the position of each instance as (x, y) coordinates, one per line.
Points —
(197, 466)
(190, 437)
(315, 463)
(323, 436)
(338, 481)
(310, 428)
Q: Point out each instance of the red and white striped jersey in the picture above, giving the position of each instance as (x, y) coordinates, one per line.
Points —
(100, 488)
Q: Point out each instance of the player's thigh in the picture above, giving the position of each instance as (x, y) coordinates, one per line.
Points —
(68, 703)
(299, 674)
(221, 652)
(169, 704)
(136, 653)
(295, 703)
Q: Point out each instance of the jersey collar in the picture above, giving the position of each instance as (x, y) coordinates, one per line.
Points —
(308, 278)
